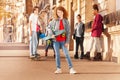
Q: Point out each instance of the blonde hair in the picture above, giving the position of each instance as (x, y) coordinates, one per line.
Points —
(65, 13)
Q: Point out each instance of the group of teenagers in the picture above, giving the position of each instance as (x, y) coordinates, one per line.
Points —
(60, 22)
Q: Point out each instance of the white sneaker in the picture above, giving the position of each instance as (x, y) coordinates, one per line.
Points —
(72, 71)
(58, 71)
(32, 56)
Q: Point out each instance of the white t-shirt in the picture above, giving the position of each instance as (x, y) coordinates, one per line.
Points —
(48, 31)
(34, 19)
(77, 32)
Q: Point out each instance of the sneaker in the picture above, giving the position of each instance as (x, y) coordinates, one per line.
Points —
(58, 71)
(37, 54)
(72, 71)
(87, 56)
(76, 56)
(32, 56)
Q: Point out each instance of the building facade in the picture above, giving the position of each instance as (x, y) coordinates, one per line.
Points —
(110, 10)
(11, 28)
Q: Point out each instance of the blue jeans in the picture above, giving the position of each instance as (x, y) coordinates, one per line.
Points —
(33, 43)
(57, 46)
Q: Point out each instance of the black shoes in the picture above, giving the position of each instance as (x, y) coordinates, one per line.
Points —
(87, 56)
(76, 56)
(98, 57)
(81, 56)
(47, 53)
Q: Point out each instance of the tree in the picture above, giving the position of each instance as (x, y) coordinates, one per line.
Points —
(3, 12)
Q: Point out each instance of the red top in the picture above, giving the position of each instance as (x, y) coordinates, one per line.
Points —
(97, 26)
(61, 37)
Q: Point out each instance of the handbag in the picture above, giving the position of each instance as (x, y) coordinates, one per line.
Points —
(37, 28)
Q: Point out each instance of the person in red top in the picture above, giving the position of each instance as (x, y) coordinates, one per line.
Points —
(61, 41)
(61, 37)
(96, 33)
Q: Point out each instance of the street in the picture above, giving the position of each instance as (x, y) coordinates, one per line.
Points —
(20, 67)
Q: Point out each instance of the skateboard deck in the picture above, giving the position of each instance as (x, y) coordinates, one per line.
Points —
(36, 58)
(47, 37)
(59, 32)
(56, 34)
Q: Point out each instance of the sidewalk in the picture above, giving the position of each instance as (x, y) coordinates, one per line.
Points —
(22, 68)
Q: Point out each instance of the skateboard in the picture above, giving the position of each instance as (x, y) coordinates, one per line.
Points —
(36, 58)
(46, 38)
(56, 34)
(59, 32)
